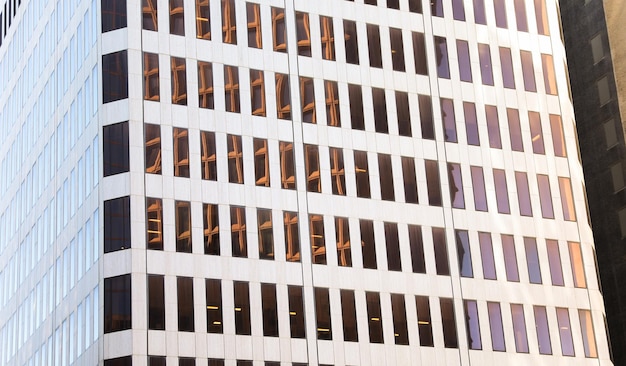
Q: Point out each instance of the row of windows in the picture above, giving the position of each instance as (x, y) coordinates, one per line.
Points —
(188, 361)
(354, 305)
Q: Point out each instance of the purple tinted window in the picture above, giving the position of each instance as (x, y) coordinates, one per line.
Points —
(471, 124)
(478, 183)
(486, 71)
(456, 185)
(486, 254)
(465, 69)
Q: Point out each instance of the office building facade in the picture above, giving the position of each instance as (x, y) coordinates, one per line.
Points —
(210, 182)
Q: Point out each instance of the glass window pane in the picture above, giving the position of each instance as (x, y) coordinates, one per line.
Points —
(117, 303)
(502, 194)
(448, 320)
(424, 323)
(177, 17)
(486, 252)
(113, 15)
(398, 310)
(318, 245)
(229, 23)
(261, 163)
(368, 245)
(472, 325)
(235, 159)
(419, 53)
(397, 49)
(464, 253)
(231, 88)
(203, 20)
(519, 328)
(292, 236)
(279, 30)
(205, 85)
(385, 173)
(270, 312)
(375, 320)
(458, 12)
(471, 124)
(515, 129)
(337, 172)
(287, 165)
(495, 326)
(455, 181)
(433, 182)
(567, 199)
(117, 224)
(361, 171)
(558, 140)
(465, 69)
(283, 96)
(253, 13)
(393, 247)
(486, 70)
(478, 185)
(333, 117)
(373, 40)
(185, 304)
(153, 148)
(506, 62)
(441, 251)
(179, 81)
(441, 53)
(449, 121)
(242, 308)
(541, 14)
(154, 223)
(500, 11)
(417, 249)
(238, 235)
(426, 117)
(183, 227)
(181, 152)
(543, 332)
(586, 328)
(436, 8)
(348, 312)
(523, 194)
(510, 258)
(214, 306)
(115, 145)
(578, 269)
(351, 42)
(156, 303)
(554, 259)
(327, 38)
(410, 180)
(565, 331)
(532, 260)
(115, 76)
(545, 196)
(266, 234)
(312, 164)
(479, 12)
(493, 127)
(520, 15)
(296, 312)
(549, 77)
(307, 100)
(149, 15)
(151, 76)
(208, 159)
(322, 314)
(528, 70)
(342, 237)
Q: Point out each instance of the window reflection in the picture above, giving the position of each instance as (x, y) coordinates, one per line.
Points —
(472, 325)
(519, 328)
(478, 185)
(373, 40)
(416, 243)
(455, 182)
(261, 163)
(327, 38)
(506, 62)
(214, 306)
(448, 321)
(114, 76)
(554, 260)
(464, 255)
(296, 311)
(177, 17)
(235, 159)
(208, 160)
(322, 314)
(523, 194)
(113, 15)
(154, 223)
(545, 196)
(361, 171)
(179, 81)
(500, 11)
(356, 107)
(253, 12)
(465, 69)
(231, 88)
(374, 317)
(312, 163)
(495, 326)
(586, 328)
(149, 15)
(449, 121)
(351, 42)
(479, 12)
(558, 140)
(211, 229)
(424, 323)
(283, 96)
(151, 76)
(205, 85)
(441, 251)
(368, 244)
(332, 103)
(515, 129)
(486, 71)
(397, 49)
(536, 133)
(287, 175)
(337, 171)
(153, 148)
(279, 30)
(441, 53)
(486, 254)
(532, 260)
(266, 234)
(183, 227)
(426, 117)
(520, 15)
(348, 312)
(181, 152)
(493, 127)
(318, 245)
(510, 258)
(433, 182)
(528, 71)
(342, 240)
(385, 173)
(565, 331)
(576, 260)
(549, 77)
(307, 96)
(419, 53)
(458, 12)
(203, 19)
(292, 236)
(502, 194)
(542, 17)
(229, 23)
(238, 236)
(257, 92)
(543, 332)
(409, 180)
(303, 32)
(567, 199)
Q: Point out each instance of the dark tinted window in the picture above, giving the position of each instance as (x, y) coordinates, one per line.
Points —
(117, 224)
(322, 314)
(375, 320)
(113, 15)
(117, 303)
(115, 159)
(348, 312)
(242, 308)
(114, 76)
(214, 306)
(185, 304)
(296, 312)
(270, 312)
(156, 303)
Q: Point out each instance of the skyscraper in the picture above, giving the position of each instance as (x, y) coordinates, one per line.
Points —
(287, 182)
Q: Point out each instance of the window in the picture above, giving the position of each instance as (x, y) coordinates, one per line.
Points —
(436, 8)
(493, 127)
(266, 234)
(283, 96)
(536, 132)
(495, 326)
(235, 159)
(394, 262)
(213, 306)
(307, 96)
(578, 269)
(567, 199)
(327, 38)
(177, 17)
(380, 110)
(520, 15)
(322, 314)
(183, 227)
(597, 48)
(545, 196)
(114, 76)
(151, 76)
(502, 193)
(586, 328)
(115, 159)
(419, 53)
(450, 339)
(385, 174)
(479, 12)
(208, 160)
(229, 23)
(292, 236)
(117, 224)
(238, 237)
(532, 260)
(424, 324)
(558, 140)
(117, 303)
(261, 163)
(270, 312)
(449, 121)
(523, 194)
(486, 254)
(156, 302)
(312, 168)
(455, 182)
(253, 12)
(211, 229)
(464, 253)
(279, 30)
(510, 258)
(500, 10)
(368, 244)
(409, 180)
(506, 62)
(373, 40)
(441, 52)
(351, 42)
(203, 19)
(415, 6)
(186, 361)
(205, 85)
(398, 310)
(231, 88)
(296, 311)
(149, 15)
(257, 92)
(486, 71)
(472, 325)
(242, 308)
(332, 103)
(541, 13)
(318, 245)
(153, 148)
(554, 260)
(515, 129)
(393, 4)
(179, 81)
(337, 172)
(478, 185)
(397, 49)
(181, 152)
(465, 68)
(361, 171)
(543, 332)
(519, 328)
(156, 360)
(287, 175)
(441, 251)
(121, 361)
(154, 223)
(375, 321)
(548, 74)
(458, 11)
(565, 331)
(303, 34)
(342, 237)
(433, 182)
(356, 107)
(348, 312)
(113, 15)
(528, 70)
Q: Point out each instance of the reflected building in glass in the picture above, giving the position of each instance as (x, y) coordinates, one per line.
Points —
(221, 182)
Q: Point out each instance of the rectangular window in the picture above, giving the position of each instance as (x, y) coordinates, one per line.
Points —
(554, 260)
(177, 17)
(510, 258)
(283, 96)
(186, 361)
(151, 76)
(368, 244)
(327, 38)
(235, 159)
(385, 173)
(253, 13)
(549, 77)
(375, 321)
(403, 114)
(337, 172)
(322, 314)
(455, 182)
(318, 244)
(523, 194)
(296, 311)
(500, 10)
(493, 127)
(238, 236)
(576, 260)
(541, 13)
(242, 308)
(179, 81)
(303, 34)
(361, 171)
(441, 251)
(231, 88)
(397, 49)
(115, 157)
(181, 152)
(156, 303)
(266, 234)
(502, 193)
(114, 76)
(486, 254)
(211, 229)
(154, 223)
(441, 51)
(471, 124)
(417, 249)
(567, 199)
(156, 361)
(203, 20)
(398, 310)
(348, 312)
(415, 6)
(351, 42)
(586, 328)
(117, 303)
(424, 324)
(380, 110)
(495, 326)
(515, 130)
(149, 15)
(214, 306)
(229, 22)
(565, 331)
(287, 175)
(292, 236)
(478, 185)
(373, 40)
(486, 71)
(261, 163)
(450, 339)
(449, 121)
(558, 140)
(183, 227)
(433, 183)
(393, 247)
(356, 107)
(117, 224)
(208, 159)
(520, 15)
(409, 180)
(464, 253)
(519, 328)
(543, 332)
(528, 71)
(436, 8)
(205, 85)
(313, 183)
(279, 30)
(342, 237)
(532, 260)
(270, 311)
(332, 103)
(506, 62)
(472, 325)
(545, 196)
(113, 14)
(479, 12)
(153, 148)
(121, 361)
(307, 100)
(419, 53)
